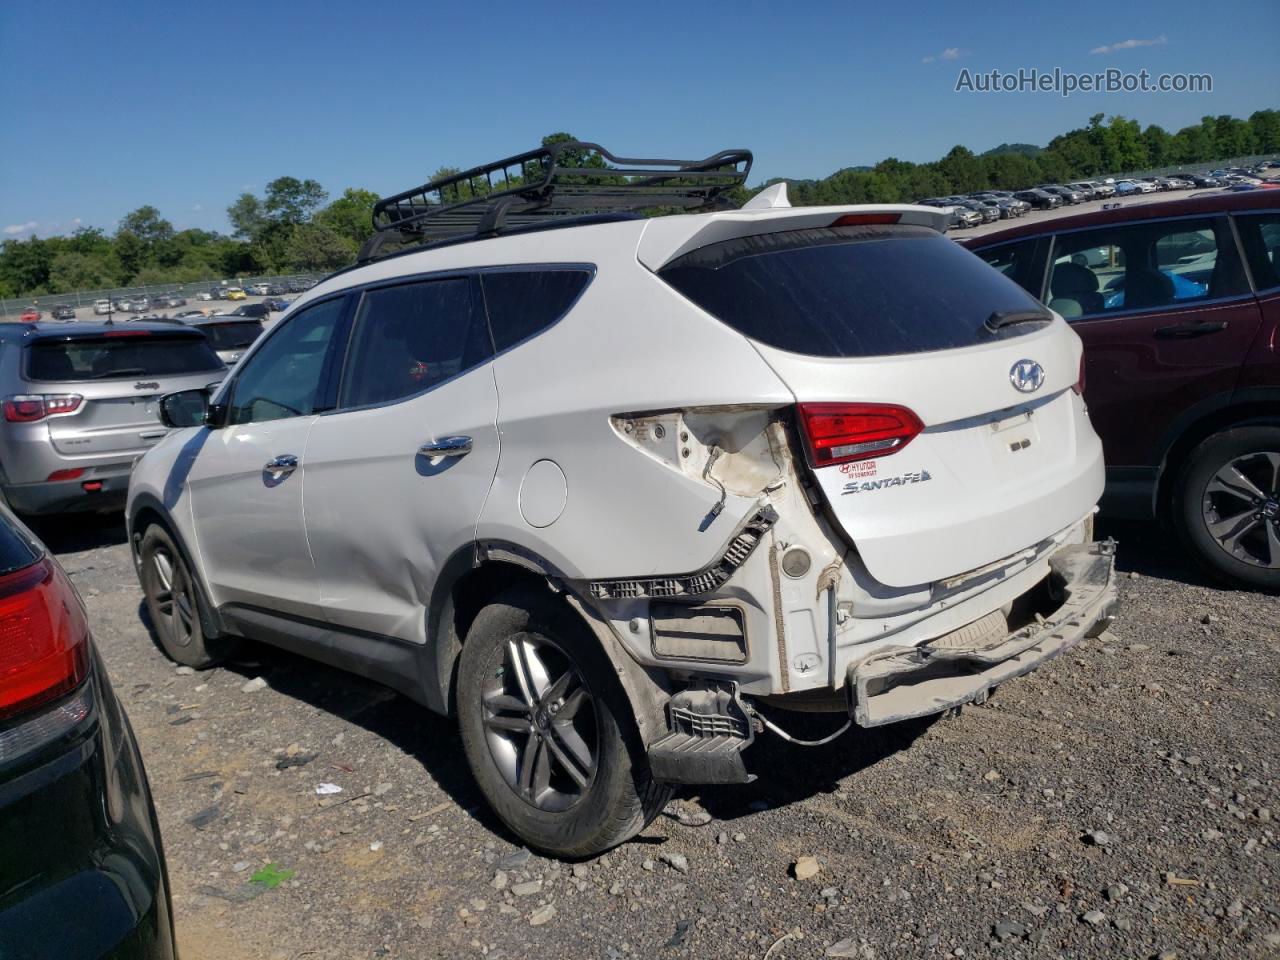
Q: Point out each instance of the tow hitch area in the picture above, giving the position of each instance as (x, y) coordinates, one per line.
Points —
(905, 682)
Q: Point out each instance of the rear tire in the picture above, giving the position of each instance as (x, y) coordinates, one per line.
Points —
(174, 603)
(549, 732)
(1227, 505)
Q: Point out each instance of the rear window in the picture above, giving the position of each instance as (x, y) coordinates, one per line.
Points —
(851, 291)
(232, 336)
(123, 356)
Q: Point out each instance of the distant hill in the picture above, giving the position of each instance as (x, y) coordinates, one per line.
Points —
(1030, 149)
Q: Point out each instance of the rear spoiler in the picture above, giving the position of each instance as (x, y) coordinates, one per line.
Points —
(666, 238)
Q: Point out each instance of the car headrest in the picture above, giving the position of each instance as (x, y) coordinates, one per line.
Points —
(1147, 288)
(1070, 279)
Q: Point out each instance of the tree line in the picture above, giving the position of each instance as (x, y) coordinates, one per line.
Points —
(295, 227)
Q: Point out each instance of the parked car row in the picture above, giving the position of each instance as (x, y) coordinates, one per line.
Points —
(986, 206)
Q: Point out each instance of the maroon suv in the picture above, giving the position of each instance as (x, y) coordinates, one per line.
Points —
(1178, 304)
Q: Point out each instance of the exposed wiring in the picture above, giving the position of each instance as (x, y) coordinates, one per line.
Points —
(706, 475)
(770, 725)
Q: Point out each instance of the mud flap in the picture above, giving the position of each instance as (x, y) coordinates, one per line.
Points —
(905, 682)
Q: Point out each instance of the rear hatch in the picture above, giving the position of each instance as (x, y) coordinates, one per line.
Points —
(936, 400)
(119, 377)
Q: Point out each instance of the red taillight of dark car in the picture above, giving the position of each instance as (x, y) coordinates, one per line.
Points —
(44, 638)
(843, 432)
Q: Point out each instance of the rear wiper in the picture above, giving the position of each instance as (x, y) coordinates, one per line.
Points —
(1008, 318)
(122, 372)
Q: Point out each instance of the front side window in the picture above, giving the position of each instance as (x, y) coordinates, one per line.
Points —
(282, 379)
(1143, 266)
(411, 337)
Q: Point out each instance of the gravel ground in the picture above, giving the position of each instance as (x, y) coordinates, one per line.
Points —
(1118, 803)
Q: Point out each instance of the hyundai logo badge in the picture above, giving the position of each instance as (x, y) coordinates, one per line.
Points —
(1027, 376)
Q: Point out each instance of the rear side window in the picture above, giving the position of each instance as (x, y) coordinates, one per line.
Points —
(125, 355)
(851, 291)
(411, 337)
(1260, 233)
(1020, 261)
(232, 336)
(1144, 266)
(522, 303)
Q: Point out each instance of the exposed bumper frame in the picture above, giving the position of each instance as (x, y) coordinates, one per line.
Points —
(900, 683)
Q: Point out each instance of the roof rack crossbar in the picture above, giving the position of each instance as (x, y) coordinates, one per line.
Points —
(569, 179)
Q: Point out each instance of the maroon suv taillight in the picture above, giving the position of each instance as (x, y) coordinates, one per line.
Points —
(31, 407)
(841, 432)
(44, 638)
(1078, 387)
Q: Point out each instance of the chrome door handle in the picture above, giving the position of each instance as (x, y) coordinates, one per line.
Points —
(446, 447)
(282, 465)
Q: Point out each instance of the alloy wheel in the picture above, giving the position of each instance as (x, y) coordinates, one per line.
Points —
(540, 724)
(172, 596)
(1241, 508)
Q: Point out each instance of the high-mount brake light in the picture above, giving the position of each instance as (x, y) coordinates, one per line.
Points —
(863, 219)
(127, 333)
(44, 638)
(843, 432)
(32, 407)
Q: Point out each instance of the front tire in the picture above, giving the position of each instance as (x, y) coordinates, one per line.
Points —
(548, 731)
(173, 603)
(1227, 505)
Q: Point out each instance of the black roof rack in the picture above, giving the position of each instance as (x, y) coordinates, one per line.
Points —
(561, 182)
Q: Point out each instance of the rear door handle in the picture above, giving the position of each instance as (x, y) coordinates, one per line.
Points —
(282, 465)
(1185, 331)
(446, 447)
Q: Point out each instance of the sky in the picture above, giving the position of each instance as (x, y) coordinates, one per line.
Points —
(185, 106)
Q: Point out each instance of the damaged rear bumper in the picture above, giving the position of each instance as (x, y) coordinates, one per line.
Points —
(904, 682)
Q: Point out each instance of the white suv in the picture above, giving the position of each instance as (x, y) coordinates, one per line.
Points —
(619, 491)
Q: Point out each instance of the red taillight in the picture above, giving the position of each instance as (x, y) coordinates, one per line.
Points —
(30, 407)
(1079, 384)
(44, 635)
(73, 474)
(859, 219)
(841, 432)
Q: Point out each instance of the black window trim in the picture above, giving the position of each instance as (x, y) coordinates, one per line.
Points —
(225, 395)
(1167, 308)
(357, 292)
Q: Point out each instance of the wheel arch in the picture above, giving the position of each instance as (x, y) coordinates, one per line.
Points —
(146, 509)
(1249, 407)
(477, 575)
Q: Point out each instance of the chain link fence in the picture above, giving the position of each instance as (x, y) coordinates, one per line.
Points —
(1205, 167)
(11, 309)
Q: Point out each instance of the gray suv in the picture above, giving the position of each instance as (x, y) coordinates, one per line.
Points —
(80, 405)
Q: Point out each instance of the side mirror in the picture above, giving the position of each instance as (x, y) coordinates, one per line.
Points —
(186, 408)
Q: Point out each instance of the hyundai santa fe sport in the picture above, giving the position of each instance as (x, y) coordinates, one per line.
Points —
(618, 492)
